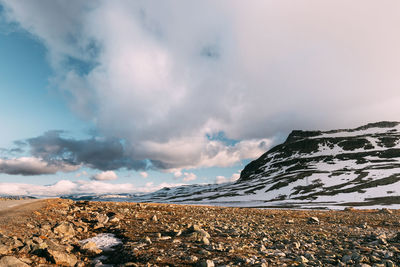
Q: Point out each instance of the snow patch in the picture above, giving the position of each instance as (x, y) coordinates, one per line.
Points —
(104, 241)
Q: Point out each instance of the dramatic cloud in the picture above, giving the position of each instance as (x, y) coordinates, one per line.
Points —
(98, 153)
(163, 76)
(65, 187)
(144, 174)
(34, 166)
(105, 176)
(111, 154)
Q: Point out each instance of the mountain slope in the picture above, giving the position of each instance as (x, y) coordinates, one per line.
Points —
(359, 167)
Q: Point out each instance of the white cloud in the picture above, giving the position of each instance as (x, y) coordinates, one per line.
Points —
(105, 176)
(66, 187)
(144, 174)
(234, 177)
(188, 176)
(172, 75)
(177, 174)
(222, 179)
(33, 166)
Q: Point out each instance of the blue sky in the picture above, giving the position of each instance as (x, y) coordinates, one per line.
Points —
(120, 96)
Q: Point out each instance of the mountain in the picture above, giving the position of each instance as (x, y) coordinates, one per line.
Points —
(311, 169)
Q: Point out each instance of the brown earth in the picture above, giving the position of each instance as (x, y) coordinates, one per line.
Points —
(47, 233)
(14, 211)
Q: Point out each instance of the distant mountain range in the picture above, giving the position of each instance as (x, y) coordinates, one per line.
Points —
(311, 169)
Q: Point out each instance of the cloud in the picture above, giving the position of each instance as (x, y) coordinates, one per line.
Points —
(34, 166)
(112, 154)
(177, 174)
(98, 153)
(222, 179)
(105, 176)
(144, 174)
(188, 176)
(162, 76)
(66, 187)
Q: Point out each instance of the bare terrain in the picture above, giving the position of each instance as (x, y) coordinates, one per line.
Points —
(48, 233)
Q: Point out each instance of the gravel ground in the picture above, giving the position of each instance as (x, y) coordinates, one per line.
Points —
(11, 203)
(183, 235)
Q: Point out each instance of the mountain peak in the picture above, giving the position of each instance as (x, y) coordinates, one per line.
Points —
(297, 135)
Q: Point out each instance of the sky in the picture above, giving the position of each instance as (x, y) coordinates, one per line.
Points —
(131, 96)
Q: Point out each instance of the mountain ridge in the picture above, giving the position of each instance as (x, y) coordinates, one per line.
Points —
(311, 169)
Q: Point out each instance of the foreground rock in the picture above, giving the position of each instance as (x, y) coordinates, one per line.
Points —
(11, 261)
(173, 235)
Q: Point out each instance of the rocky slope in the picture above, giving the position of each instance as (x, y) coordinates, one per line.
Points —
(350, 167)
(311, 169)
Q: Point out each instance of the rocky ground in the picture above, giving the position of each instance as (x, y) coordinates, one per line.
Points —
(180, 235)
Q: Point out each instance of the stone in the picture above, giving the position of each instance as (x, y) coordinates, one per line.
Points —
(114, 219)
(10, 261)
(386, 211)
(91, 247)
(193, 258)
(64, 228)
(205, 241)
(154, 218)
(302, 259)
(102, 218)
(4, 249)
(62, 258)
(206, 263)
(313, 220)
(147, 240)
(346, 258)
(296, 245)
(98, 226)
(349, 209)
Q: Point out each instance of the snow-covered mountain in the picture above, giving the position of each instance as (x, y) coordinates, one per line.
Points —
(352, 167)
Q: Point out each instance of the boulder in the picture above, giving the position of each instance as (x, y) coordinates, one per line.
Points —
(313, 220)
(206, 263)
(11, 261)
(64, 229)
(62, 258)
(102, 218)
(91, 247)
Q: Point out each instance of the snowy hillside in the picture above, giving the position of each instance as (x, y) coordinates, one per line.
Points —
(353, 167)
